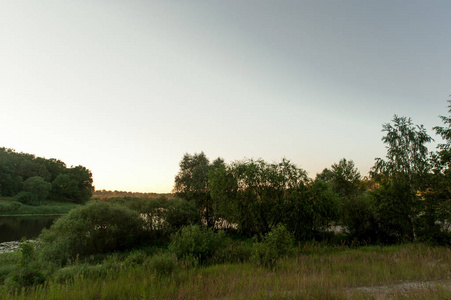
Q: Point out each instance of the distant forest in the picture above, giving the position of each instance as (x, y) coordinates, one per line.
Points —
(106, 195)
(33, 179)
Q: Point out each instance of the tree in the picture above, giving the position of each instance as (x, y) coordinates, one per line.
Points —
(191, 183)
(437, 215)
(83, 177)
(443, 155)
(35, 190)
(407, 154)
(65, 188)
(345, 178)
(406, 165)
(256, 195)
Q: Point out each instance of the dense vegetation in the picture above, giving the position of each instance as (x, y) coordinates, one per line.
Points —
(406, 198)
(258, 216)
(33, 179)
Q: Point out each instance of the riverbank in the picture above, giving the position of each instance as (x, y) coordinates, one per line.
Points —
(8, 247)
(10, 207)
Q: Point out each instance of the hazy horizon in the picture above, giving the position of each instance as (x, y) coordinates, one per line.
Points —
(127, 88)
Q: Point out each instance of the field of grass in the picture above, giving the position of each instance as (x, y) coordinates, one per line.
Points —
(9, 206)
(314, 271)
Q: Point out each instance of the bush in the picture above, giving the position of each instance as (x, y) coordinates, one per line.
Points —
(28, 271)
(181, 213)
(163, 264)
(196, 242)
(28, 198)
(97, 227)
(9, 206)
(361, 219)
(274, 244)
(8, 263)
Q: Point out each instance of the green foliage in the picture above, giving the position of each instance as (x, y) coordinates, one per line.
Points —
(406, 151)
(97, 227)
(256, 195)
(64, 187)
(397, 211)
(162, 216)
(71, 272)
(8, 263)
(273, 246)
(197, 242)
(402, 175)
(8, 206)
(310, 213)
(28, 198)
(444, 149)
(38, 188)
(39, 176)
(83, 177)
(163, 263)
(346, 178)
(181, 213)
(191, 183)
(362, 221)
(436, 220)
(28, 271)
(234, 252)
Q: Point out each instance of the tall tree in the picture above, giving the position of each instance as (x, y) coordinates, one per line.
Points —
(257, 195)
(345, 178)
(407, 154)
(191, 183)
(405, 167)
(438, 197)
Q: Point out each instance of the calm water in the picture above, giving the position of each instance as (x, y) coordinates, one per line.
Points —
(15, 228)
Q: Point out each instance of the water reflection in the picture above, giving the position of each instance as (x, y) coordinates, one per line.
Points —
(15, 228)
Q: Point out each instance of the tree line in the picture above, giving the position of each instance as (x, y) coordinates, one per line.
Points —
(33, 179)
(406, 197)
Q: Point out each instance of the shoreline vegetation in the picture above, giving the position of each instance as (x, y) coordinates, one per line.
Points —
(9, 206)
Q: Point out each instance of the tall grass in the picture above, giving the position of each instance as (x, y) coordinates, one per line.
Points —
(398, 272)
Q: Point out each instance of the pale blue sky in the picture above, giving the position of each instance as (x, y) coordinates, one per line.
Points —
(125, 88)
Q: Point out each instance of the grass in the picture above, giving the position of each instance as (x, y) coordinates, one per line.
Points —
(9, 206)
(398, 272)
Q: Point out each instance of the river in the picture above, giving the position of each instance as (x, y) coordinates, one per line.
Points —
(14, 228)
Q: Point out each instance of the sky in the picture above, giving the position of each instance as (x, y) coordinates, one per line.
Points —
(126, 88)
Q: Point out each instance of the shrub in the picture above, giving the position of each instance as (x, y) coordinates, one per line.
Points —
(28, 270)
(28, 198)
(164, 263)
(273, 245)
(181, 213)
(361, 219)
(195, 241)
(8, 263)
(9, 206)
(97, 227)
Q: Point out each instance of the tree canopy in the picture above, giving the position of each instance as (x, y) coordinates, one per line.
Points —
(42, 178)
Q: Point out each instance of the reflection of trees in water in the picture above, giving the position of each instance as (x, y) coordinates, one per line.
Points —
(14, 228)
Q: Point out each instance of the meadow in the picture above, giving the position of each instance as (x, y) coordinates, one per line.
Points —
(312, 271)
